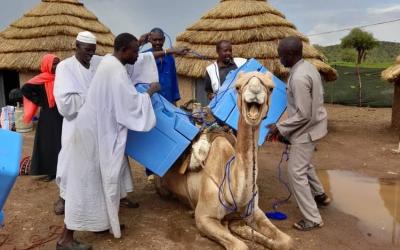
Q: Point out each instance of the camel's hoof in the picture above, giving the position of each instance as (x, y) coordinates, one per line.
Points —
(286, 243)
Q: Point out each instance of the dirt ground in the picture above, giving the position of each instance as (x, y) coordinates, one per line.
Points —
(360, 140)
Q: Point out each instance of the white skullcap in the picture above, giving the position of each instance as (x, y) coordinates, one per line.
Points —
(86, 37)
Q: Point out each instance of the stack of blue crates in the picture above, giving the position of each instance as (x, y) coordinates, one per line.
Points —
(10, 155)
(224, 107)
(159, 148)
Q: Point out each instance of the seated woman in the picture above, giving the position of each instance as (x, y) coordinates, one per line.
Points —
(38, 92)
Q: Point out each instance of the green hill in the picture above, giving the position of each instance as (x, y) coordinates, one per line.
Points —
(382, 56)
(375, 92)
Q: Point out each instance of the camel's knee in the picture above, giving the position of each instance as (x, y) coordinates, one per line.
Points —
(201, 223)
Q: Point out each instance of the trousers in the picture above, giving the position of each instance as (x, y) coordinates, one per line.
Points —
(304, 180)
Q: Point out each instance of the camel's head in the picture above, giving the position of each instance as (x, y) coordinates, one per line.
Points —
(254, 90)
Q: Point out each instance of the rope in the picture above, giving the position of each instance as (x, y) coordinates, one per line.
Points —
(221, 189)
(3, 238)
(285, 155)
(192, 116)
(37, 241)
(203, 57)
(251, 204)
(54, 233)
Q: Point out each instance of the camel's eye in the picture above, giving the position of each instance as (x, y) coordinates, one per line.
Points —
(271, 89)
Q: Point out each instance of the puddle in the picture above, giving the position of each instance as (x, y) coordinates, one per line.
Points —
(375, 202)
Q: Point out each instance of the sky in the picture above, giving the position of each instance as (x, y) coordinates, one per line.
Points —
(309, 16)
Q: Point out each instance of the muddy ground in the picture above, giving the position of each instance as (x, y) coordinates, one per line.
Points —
(360, 140)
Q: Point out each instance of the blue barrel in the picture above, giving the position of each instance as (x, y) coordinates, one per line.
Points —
(10, 155)
(224, 107)
(159, 148)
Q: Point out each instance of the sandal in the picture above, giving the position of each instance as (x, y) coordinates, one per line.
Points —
(74, 245)
(125, 202)
(46, 178)
(306, 225)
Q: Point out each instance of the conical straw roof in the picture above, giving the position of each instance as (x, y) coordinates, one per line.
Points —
(50, 27)
(254, 27)
(392, 74)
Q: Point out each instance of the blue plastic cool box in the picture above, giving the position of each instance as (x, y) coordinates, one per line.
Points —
(159, 148)
(10, 155)
(224, 108)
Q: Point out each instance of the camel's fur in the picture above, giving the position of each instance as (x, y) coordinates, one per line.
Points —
(200, 189)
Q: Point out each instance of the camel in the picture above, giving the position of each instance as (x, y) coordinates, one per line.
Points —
(223, 193)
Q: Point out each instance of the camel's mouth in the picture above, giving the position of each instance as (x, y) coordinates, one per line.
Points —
(253, 111)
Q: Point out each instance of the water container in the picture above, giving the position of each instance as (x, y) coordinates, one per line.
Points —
(7, 118)
(20, 125)
(224, 108)
(10, 155)
(159, 148)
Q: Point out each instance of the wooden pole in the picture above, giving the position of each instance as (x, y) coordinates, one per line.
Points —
(396, 106)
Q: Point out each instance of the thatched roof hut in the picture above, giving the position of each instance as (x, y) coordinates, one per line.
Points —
(392, 74)
(254, 27)
(50, 27)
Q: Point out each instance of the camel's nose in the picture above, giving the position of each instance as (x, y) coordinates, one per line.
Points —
(255, 92)
(255, 86)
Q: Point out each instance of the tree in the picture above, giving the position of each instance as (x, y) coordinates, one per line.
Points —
(348, 55)
(361, 41)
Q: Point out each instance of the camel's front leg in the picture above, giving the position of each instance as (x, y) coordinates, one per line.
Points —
(241, 229)
(263, 225)
(213, 229)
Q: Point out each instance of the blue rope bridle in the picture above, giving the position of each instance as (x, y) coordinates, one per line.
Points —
(227, 179)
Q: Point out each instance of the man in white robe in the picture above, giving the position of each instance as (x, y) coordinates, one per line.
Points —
(97, 146)
(73, 77)
(71, 84)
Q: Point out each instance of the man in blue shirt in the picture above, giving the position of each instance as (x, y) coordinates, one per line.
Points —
(166, 66)
(166, 71)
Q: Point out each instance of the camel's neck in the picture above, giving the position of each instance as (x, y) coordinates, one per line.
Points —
(245, 165)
